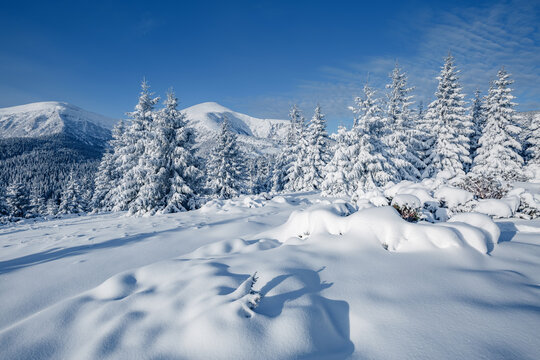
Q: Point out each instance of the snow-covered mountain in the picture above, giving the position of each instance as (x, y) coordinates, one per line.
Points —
(51, 118)
(256, 135)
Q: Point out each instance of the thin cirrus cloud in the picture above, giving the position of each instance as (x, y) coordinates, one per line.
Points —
(482, 39)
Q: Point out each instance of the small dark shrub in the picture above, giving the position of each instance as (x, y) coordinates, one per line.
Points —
(484, 186)
(531, 211)
(407, 213)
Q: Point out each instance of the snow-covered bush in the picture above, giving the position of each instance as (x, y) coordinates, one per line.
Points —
(408, 206)
(408, 213)
(529, 206)
(484, 186)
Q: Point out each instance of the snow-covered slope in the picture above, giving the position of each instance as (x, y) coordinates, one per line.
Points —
(257, 135)
(50, 118)
(180, 286)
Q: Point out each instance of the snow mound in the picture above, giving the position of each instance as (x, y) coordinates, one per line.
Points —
(420, 190)
(226, 247)
(453, 196)
(497, 208)
(407, 200)
(385, 225)
(378, 200)
(279, 200)
(237, 204)
(480, 221)
(195, 309)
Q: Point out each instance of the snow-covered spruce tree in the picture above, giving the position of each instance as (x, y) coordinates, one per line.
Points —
(107, 175)
(279, 170)
(524, 122)
(87, 191)
(167, 164)
(533, 141)
(4, 209)
(338, 170)
(420, 111)
(52, 206)
(402, 137)
(259, 175)
(183, 167)
(298, 152)
(317, 154)
(132, 172)
(70, 202)
(450, 124)
(478, 118)
(288, 156)
(103, 182)
(371, 165)
(17, 200)
(38, 205)
(226, 171)
(498, 153)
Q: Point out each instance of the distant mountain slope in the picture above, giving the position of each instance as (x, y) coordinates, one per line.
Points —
(50, 118)
(257, 136)
(42, 143)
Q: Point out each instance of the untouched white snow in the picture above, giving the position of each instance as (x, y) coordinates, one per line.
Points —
(453, 196)
(495, 207)
(182, 286)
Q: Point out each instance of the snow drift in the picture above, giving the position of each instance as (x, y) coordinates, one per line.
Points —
(394, 233)
(239, 283)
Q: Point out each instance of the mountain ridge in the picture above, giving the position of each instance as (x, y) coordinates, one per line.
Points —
(40, 119)
(50, 118)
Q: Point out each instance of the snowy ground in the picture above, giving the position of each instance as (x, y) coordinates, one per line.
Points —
(177, 286)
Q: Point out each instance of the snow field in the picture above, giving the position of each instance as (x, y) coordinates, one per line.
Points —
(326, 288)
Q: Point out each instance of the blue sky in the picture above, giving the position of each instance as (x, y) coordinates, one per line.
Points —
(259, 57)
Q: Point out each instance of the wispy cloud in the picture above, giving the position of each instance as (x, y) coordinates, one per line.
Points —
(482, 39)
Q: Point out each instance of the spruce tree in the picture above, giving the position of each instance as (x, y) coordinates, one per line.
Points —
(450, 125)
(288, 155)
(533, 141)
(371, 164)
(38, 205)
(478, 118)
(298, 152)
(132, 172)
(426, 137)
(17, 200)
(401, 137)
(338, 170)
(52, 206)
(103, 182)
(70, 202)
(259, 175)
(4, 208)
(279, 170)
(108, 175)
(183, 167)
(498, 154)
(226, 172)
(169, 165)
(317, 153)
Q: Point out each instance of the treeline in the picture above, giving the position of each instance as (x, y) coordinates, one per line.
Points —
(151, 166)
(35, 171)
